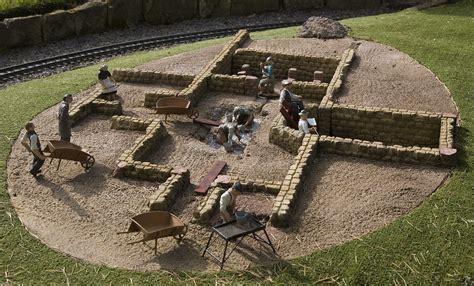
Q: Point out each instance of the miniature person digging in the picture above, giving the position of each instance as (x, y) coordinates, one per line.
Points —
(65, 122)
(32, 143)
(304, 124)
(228, 201)
(244, 117)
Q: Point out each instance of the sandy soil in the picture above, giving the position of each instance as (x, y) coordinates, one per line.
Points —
(315, 47)
(381, 76)
(188, 144)
(188, 63)
(80, 213)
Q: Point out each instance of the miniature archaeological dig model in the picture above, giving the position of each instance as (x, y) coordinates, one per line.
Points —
(383, 134)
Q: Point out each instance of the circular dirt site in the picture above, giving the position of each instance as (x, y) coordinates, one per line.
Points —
(80, 213)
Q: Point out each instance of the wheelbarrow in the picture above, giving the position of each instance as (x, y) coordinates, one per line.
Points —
(155, 225)
(176, 105)
(63, 150)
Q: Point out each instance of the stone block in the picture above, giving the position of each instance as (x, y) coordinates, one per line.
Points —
(58, 25)
(214, 8)
(295, 5)
(249, 7)
(22, 31)
(90, 18)
(124, 13)
(168, 12)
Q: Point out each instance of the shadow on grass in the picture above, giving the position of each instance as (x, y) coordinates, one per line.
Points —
(461, 141)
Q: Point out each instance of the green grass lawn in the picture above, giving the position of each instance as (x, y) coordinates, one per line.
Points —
(432, 245)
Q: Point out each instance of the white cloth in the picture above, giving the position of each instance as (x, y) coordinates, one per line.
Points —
(303, 126)
(108, 86)
(226, 200)
(32, 141)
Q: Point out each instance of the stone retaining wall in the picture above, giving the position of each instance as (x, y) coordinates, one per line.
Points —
(309, 90)
(107, 107)
(130, 123)
(293, 182)
(380, 151)
(447, 131)
(152, 77)
(96, 16)
(306, 64)
(247, 85)
(163, 199)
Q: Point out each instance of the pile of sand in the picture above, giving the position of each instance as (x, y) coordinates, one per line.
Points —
(322, 28)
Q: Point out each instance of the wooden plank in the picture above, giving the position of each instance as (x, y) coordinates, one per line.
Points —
(207, 122)
(210, 177)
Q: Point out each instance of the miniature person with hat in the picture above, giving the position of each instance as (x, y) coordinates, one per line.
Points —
(268, 78)
(109, 88)
(287, 96)
(228, 201)
(303, 124)
(65, 122)
(32, 143)
(226, 132)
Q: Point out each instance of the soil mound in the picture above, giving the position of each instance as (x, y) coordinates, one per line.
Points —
(323, 28)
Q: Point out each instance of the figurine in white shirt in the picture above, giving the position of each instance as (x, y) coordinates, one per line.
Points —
(303, 124)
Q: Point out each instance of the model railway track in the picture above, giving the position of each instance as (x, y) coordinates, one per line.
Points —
(71, 60)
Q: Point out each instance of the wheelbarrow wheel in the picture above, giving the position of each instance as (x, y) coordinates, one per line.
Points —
(193, 113)
(179, 237)
(88, 163)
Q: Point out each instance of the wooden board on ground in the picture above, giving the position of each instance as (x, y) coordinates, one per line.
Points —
(210, 177)
(206, 122)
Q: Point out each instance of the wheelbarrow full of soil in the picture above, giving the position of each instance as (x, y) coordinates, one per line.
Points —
(157, 224)
(176, 105)
(63, 150)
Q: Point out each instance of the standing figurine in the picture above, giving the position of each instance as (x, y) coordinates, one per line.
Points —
(65, 122)
(109, 88)
(267, 83)
(32, 143)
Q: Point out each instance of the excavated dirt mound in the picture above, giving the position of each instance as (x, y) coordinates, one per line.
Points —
(80, 213)
(322, 28)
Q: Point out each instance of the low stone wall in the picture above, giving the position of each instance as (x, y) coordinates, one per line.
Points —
(309, 90)
(152, 77)
(306, 64)
(219, 64)
(163, 199)
(447, 131)
(340, 73)
(293, 182)
(130, 123)
(152, 97)
(392, 127)
(107, 107)
(247, 85)
(131, 162)
(94, 104)
(210, 204)
(285, 137)
(380, 151)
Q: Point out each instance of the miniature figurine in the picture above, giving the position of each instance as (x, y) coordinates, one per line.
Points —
(109, 87)
(267, 83)
(65, 122)
(228, 201)
(304, 124)
(32, 143)
(287, 95)
(226, 132)
(243, 117)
